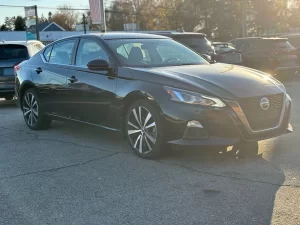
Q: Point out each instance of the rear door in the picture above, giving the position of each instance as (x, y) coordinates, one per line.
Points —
(51, 76)
(10, 55)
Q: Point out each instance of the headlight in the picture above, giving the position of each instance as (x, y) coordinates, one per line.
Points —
(193, 98)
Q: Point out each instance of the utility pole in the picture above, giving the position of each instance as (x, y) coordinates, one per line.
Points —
(36, 23)
(244, 18)
(103, 25)
(84, 23)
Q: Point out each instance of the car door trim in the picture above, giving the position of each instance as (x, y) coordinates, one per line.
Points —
(80, 121)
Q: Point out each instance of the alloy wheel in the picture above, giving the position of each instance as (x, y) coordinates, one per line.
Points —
(30, 109)
(141, 130)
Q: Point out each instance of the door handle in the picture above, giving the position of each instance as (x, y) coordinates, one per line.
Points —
(38, 70)
(72, 79)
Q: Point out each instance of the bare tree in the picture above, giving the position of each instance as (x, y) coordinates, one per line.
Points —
(66, 17)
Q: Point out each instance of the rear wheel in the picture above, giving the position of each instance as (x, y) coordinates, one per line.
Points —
(33, 113)
(143, 129)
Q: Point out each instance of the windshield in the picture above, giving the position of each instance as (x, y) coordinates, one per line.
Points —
(199, 44)
(13, 51)
(154, 53)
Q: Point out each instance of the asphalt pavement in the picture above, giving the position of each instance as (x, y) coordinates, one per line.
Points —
(75, 174)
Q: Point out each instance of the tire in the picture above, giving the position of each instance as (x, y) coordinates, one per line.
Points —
(143, 130)
(33, 112)
(8, 98)
(246, 149)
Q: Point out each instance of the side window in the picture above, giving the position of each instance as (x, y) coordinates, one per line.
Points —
(62, 52)
(167, 52)
(89, 50)
(131, 51)
(47, 53)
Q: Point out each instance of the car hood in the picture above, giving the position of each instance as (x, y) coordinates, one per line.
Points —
(217, 79)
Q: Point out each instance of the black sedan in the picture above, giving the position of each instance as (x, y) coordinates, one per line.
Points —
(152, 89)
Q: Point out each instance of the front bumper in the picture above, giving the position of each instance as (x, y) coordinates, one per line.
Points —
(221, 127)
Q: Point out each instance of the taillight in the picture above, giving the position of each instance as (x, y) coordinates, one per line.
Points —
(16, 67)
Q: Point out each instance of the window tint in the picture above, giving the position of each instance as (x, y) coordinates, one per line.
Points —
(47, 53)
(199, 44)
(154, 53)
(124, 50)
(274, 45)
(11, 51)
(89, 50)
(62, 52)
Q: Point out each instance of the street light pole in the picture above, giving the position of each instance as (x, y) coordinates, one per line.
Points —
(36, 23)
(244, 18)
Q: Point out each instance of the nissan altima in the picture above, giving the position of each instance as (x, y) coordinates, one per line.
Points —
(154, 90)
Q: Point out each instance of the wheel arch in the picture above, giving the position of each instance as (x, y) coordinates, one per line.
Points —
(134, 96)
(25, 86)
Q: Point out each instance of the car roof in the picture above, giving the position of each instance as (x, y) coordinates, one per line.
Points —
(257, 38)
(25, 43)
(180, 34)
(127, 35)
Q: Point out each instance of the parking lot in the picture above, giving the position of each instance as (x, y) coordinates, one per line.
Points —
(74, 174)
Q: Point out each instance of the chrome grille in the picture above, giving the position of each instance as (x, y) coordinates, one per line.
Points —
(258, 118)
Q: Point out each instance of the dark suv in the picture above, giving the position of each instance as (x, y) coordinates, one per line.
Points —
(272, 55)
(196, 41)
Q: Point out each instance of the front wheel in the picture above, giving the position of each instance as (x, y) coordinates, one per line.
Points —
(33, 113)
(144, 130)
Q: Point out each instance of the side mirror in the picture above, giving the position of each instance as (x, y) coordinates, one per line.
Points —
(98, 65)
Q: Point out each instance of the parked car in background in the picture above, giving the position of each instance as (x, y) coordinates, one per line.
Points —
(272, 55)
(294, 39)
(12, 54)
(154, 90)
(196, 41)
(227, 53)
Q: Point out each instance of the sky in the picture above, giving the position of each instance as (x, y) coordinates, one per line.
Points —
(9, 12)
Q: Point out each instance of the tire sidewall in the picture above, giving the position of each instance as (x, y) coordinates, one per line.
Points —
(156, 150)
(42, 118)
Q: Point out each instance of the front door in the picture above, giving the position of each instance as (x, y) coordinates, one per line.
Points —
(91, 92)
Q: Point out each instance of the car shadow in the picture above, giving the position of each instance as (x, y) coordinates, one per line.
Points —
(239, 190)
(7, 104)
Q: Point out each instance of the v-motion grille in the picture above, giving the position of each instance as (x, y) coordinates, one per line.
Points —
(258, 118)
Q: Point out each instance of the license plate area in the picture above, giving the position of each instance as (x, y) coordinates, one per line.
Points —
(7, 71)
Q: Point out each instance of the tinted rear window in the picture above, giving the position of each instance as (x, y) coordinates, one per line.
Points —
(199, 44)
(13, 51)
(275, 44)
